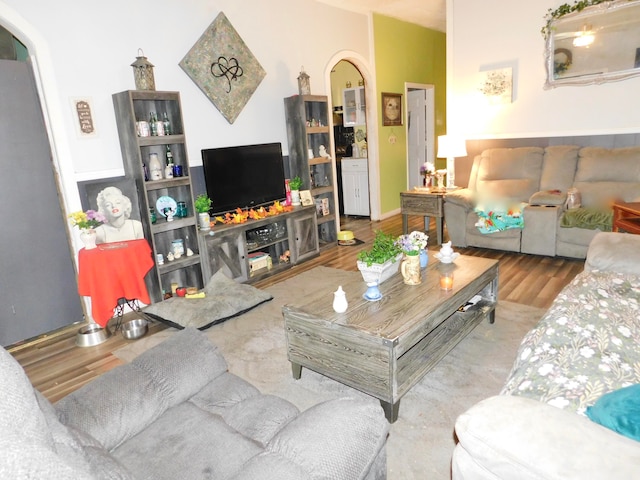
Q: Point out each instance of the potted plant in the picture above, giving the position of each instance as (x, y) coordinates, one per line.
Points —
(295, 183)
(202, 206)
(379, 263)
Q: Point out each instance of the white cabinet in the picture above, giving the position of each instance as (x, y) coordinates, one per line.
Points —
(355, 186)
(354, 107)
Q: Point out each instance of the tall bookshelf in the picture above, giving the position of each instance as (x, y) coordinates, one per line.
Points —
(307, 118)
(132, 106)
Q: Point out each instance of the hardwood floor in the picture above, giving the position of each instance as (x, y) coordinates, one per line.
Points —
(57, 367)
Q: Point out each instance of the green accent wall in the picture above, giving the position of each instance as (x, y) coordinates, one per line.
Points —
(405, 52)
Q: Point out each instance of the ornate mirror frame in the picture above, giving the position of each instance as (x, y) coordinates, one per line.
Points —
(598, 44)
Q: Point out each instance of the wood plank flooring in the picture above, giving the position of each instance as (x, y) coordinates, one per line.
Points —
(57, 367)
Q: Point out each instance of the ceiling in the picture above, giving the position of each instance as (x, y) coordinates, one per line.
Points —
(426, 13)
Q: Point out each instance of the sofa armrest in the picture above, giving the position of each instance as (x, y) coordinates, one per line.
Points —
(617, 252)
(463, 197)
(548, 197)
(339, 439)
(515, 437)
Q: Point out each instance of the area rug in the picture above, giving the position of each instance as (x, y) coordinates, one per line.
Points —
(421, 441)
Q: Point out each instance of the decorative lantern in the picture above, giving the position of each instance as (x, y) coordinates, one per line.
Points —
(303, 83)
(143, 72)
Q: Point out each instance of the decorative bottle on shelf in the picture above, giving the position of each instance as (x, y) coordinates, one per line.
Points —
(155, 168)
(168, 170)
(153, 124)
(166, 124)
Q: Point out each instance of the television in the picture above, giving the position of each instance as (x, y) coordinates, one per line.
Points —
(244, 176)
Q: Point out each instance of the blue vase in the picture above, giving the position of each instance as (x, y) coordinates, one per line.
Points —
(424, 258)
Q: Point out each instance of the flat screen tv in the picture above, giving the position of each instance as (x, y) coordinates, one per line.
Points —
(245, 176)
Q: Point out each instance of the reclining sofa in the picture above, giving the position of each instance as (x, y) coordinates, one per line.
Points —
(535, 181)
(175, 412)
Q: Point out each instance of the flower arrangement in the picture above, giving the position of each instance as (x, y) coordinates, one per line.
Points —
(87, 220)
(412, 243)
(427, 168)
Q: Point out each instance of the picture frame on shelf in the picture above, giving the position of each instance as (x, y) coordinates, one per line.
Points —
(305, 198)
(391, 109)
(322, 207)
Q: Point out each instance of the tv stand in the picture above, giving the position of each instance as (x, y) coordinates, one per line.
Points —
(238, 249)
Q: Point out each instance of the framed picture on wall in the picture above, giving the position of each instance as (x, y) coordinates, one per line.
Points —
(391, 109)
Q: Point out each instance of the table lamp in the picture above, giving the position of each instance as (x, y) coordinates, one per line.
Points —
(450, 147)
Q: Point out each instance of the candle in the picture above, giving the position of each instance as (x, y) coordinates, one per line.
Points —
(446, 281)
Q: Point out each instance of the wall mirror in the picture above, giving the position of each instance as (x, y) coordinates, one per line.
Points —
(599, 44)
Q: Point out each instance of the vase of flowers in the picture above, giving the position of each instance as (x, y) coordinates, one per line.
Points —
(87, 222)
(427, 170)
(415, 243)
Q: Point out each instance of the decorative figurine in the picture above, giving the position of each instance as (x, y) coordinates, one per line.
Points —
(340, 303)
(323, 152)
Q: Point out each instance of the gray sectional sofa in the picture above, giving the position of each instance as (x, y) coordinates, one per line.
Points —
(175, 412)
(584, 349)
(537, 180)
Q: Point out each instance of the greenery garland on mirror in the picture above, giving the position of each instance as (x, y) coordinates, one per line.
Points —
(565, 9)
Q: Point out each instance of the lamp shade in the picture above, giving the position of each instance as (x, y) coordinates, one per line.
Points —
(450, 146)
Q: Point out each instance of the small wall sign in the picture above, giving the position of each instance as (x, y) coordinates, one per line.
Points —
(83, 117)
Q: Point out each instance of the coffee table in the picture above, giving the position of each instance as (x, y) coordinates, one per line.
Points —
(384, 348)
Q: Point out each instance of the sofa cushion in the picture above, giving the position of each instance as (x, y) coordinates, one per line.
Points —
(559, 167)
(616, 252)
(510, 174)
(591, 218)
(33, 444)
(619, 411)
(186, 442)
(224, 299)
(604, 175)
(123, 401)
(592, 327)
(312, 431)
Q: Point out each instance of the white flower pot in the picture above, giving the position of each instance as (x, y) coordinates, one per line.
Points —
(379, 272)
(204, 220)
(295, 197)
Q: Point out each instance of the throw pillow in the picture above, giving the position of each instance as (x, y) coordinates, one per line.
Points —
(224, 299)
(619, 411)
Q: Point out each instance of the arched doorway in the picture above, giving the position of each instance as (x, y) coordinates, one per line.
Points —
(350, 138)
(359, 64)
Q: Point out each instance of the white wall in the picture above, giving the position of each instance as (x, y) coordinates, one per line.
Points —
(85, 49)
(501, 33)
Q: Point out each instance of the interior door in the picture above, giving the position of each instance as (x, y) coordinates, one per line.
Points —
(420, 133)
(38, 285)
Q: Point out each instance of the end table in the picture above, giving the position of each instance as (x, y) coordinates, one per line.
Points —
(626, 217)
(426, 203)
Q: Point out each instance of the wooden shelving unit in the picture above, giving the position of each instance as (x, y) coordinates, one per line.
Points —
(132, 106)
(307, 119)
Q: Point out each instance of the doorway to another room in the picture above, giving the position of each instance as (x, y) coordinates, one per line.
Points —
(421, 142)
(348, 98)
